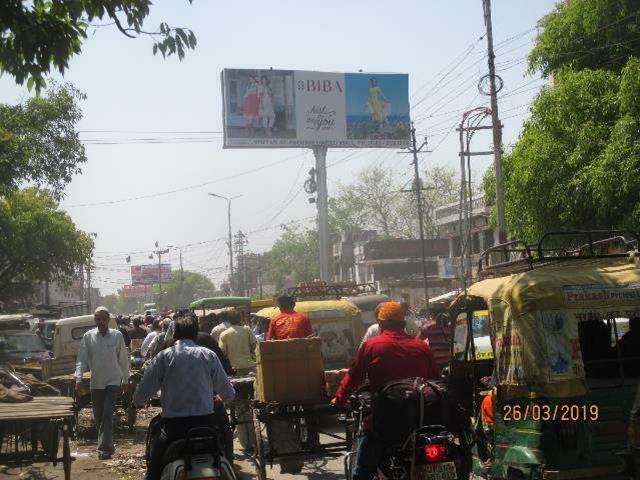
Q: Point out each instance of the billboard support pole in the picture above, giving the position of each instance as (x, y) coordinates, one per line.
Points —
(320, 154)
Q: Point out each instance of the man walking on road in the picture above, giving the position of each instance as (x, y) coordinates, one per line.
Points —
(103, 352)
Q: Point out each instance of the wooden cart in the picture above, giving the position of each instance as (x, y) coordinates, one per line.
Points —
(30, 432)
(300, 416)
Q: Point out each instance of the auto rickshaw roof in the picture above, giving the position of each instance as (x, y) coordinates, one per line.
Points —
(547, 285)
(344, 308)
(220, 302)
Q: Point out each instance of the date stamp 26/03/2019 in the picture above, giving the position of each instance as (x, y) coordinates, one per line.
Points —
(545, 413)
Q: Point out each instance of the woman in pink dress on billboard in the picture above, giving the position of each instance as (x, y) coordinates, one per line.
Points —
(251, 105)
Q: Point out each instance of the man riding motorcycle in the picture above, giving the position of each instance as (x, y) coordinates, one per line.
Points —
(393, 355)
(188, 377)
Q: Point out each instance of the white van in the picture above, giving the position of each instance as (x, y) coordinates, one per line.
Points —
(69, 332)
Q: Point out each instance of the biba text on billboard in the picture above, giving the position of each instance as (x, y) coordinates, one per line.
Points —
(287, 108)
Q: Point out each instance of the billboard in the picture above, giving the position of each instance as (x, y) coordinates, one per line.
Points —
(294, 108)
(134, 291)
(150, 274)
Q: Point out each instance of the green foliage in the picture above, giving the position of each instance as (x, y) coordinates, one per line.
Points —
(36, 36)
(184, 289)
(39, 143)
(375, 202)
(38, 242)
(549, 174)
(575, 164)
(293, 258)
(594, 34)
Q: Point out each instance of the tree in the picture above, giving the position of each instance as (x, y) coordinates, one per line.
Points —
(575, 163)
(185, 288)
(375, 201)
(293, 258)
(38, 243)
(40, 34)
(39, 143)
(593, 34)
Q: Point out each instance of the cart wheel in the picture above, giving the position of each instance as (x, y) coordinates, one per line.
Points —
(258, 450)
(132, 416)
(66, 452)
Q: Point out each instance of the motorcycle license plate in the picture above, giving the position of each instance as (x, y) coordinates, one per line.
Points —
(437, 471)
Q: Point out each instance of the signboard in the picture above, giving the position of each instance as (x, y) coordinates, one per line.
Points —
(293, 108)
(150, 274)
(134, 291)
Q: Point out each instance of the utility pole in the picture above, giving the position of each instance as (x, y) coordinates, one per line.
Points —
(320, 154)
(89, 267)
(469, 124)
(89, 288)
(159, 253)
(497, 127)
(240, 243)
(260, 274)
(230, 241)
(417, 189)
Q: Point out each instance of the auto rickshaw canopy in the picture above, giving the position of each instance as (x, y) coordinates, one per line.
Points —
(534, 318)
(220, 302)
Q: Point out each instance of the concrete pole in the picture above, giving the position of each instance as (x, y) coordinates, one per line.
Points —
(320, 154)
(497, 126)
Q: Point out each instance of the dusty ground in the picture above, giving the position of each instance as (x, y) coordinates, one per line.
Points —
(128, 462)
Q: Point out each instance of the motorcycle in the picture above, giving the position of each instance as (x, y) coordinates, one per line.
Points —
(430, 452)
(199, 456)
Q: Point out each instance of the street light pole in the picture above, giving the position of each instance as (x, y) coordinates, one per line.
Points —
(228, 199)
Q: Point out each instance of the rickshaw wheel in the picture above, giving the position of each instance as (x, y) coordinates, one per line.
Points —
(258, 455)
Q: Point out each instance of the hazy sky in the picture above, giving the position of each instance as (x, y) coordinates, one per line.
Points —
(143, 113)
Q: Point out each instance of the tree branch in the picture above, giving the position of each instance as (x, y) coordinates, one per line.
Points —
(113, 15)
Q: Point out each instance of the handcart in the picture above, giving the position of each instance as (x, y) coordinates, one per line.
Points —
(30, 432)
(308, 421)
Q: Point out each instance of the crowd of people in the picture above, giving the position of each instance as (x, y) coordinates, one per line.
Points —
(190, 360)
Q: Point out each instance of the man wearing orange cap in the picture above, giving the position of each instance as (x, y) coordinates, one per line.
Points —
(393, 355)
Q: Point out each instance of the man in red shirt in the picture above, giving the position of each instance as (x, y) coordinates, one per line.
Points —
(289, 324)
(393, 355)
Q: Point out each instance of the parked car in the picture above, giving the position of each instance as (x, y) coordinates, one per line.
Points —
(22, 346)
(15, 321)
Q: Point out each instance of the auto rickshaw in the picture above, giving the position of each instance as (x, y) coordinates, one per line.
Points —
(204, 306)
(546, 348)
(337, 322)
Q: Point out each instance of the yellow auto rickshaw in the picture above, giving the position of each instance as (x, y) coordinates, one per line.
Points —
(561, 383)
(337, 322)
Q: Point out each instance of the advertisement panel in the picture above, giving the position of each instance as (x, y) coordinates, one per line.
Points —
(287, 108)
(134, 291)
(150, 274)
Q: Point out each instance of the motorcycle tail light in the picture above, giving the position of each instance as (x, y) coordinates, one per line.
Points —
(434, 452)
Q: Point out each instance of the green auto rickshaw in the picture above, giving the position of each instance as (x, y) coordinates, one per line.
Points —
(553, 398)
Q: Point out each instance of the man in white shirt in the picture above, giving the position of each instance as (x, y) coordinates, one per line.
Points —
(157, 329)
(103, 352)
(222, 326)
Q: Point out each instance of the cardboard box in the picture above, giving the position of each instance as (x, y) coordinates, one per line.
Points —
(290, 371)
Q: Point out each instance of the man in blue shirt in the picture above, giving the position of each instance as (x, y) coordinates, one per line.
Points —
(188, 377)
